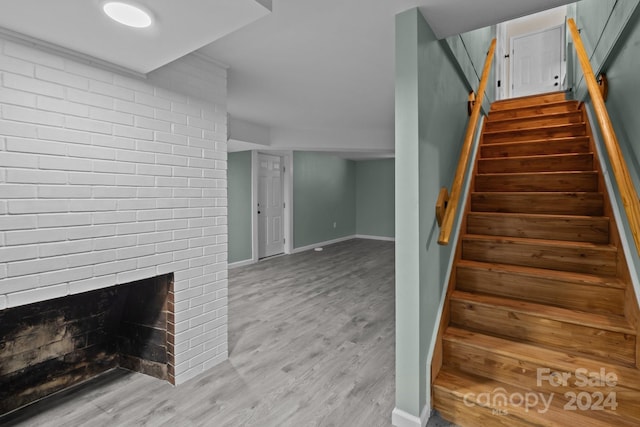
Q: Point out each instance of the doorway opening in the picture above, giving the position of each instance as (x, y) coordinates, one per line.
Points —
(272, 203)
(536, 63)
(531, 54)
(270, 207)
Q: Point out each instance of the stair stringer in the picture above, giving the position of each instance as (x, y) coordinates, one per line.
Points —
(626, 269)
(444, 308)
(435, 355)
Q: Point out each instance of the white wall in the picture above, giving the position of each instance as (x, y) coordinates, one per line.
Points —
(364, 140)
(538, 21)
(106, 179)
(246, 135)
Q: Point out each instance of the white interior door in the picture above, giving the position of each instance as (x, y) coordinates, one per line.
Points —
(270, 206)
(536, 61)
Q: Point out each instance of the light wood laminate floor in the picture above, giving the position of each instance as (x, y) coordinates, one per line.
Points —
(311, 343)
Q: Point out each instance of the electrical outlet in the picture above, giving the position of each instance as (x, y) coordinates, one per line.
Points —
(335, 224)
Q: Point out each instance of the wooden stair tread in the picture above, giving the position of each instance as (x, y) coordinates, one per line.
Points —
(537, 181)
(537, 146)
(567, 193)
(584, 279)
(537, 163)
(471, 355)
(498, 215)
(535, 118)
(580, 257)
(554, 359)
(534, 174)
(535, 132)
(578, 228)
(556, 243)
(597, 321)
(534, 110)
(466, 387)
(534, 129)
(570, 103)
(543, 140)
(534, 156)
(593, 229)
(557, 95)
(549, 115)
(541, 216)
(539, 193)
(561, 202)
(529, 100)
(575, 291)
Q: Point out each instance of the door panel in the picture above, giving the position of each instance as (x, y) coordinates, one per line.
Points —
(270, 206)
(537, 62)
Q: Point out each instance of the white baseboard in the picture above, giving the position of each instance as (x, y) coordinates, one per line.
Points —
(383, 238)
(319, 244)
(241, 264)
(427, 413)
(400, 418)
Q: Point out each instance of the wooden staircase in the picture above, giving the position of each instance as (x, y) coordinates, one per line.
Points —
(540, 286)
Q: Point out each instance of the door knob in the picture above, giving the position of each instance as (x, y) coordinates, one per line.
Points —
(556, 77)
(258, 212)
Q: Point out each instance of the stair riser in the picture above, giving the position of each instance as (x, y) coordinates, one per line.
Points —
(455, 410)
(531, 101)
(531, 122)
(557, 181)
(470, 400)
(533, 111)
(589, 204)
(462, 414)
(577, 339)
(519, 373)
(535, 134)
(579, 260)
(541, 290)
(577, 229)
(536, 148)
(573, 162)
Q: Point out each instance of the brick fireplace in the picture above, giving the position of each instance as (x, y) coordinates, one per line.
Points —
(109, 179)
(50, 345)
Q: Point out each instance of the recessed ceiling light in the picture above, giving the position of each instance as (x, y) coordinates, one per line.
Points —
(127, 14)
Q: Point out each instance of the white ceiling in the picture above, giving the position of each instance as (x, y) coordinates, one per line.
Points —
(450, 17)
(312, 72)
(180, 27)
(316, 65)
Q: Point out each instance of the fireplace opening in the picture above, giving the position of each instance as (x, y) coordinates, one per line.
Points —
(48, 346)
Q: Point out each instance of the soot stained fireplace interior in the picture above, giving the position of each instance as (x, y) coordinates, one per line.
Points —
(51, 345)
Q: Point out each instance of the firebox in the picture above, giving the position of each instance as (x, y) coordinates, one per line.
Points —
(51, 345)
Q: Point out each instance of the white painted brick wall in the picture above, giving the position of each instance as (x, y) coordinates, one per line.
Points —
(106, 179)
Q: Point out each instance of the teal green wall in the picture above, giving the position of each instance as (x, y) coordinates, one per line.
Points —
(239, 210)
(470, 52)
(602, 23)
(324, 192)
(431, 117)
(375, 198)
(357, 196)
(622, 38)
(624, 92)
